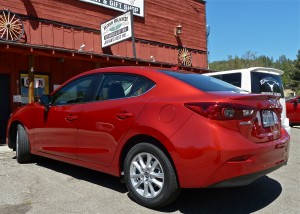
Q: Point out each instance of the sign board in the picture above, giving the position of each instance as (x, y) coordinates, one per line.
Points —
(38, 82)
(137, 6)
(17, 98)
(117, 30)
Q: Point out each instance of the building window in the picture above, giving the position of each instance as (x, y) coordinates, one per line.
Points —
(41, 86)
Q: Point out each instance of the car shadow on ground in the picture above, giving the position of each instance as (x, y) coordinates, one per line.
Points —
(84, 174)
(247, 199)
(240, 200)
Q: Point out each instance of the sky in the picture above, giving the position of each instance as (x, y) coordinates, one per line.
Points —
(264, 27)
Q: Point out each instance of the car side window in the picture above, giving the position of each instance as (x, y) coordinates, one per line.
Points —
(72, 93)
(234, 78)
(116, 86)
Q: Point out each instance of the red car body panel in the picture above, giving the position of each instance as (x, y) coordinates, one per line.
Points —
(293, 110)
(55, 124)
(203, 151)
(102, 125)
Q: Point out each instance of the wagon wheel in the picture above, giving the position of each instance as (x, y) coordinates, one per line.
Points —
(184, 57)
(11, 26)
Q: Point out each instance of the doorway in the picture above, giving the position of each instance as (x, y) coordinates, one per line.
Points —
(4, 105)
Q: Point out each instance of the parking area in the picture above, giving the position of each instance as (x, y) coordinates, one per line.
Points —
(48, 186)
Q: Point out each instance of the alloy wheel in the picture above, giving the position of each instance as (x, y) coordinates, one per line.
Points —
(146, 175)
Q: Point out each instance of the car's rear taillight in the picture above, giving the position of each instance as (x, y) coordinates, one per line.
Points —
(222, 111)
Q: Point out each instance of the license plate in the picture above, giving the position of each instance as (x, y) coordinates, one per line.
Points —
(268, 118)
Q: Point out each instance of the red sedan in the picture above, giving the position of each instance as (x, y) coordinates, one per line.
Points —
(161, 130)
(293, 110)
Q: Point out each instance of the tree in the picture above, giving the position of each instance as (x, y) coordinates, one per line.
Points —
(296, 74)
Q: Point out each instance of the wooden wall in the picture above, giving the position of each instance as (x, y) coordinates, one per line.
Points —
(14, 64)
(161, 17)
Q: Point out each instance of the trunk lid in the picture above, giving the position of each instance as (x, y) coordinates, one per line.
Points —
(265, 123)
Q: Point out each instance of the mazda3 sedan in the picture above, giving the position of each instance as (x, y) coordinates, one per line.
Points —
(159, 130)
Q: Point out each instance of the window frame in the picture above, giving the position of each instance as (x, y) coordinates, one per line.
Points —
(101, 80)
(86, 97)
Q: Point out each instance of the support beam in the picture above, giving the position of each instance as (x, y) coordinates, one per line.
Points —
(31, 78)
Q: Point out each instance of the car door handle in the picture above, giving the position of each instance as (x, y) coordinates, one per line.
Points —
(124, 115)
(71, 118)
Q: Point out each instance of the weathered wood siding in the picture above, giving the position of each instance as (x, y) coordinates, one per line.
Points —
(161, 17)
(14, 63)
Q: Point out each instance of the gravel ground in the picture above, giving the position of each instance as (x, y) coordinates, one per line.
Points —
(48, 186)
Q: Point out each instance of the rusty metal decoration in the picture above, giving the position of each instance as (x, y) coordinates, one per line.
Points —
(11, 26)
(184, 57)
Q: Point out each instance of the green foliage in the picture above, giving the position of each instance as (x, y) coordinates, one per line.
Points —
(291, 68)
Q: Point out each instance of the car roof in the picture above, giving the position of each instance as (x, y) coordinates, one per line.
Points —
(121, 69)
(149, 72)
(117, 69)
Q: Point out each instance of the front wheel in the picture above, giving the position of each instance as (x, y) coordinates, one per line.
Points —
(150, 176)
(22, 145)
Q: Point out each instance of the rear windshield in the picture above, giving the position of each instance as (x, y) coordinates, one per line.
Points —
(204, 83)
(264, 83)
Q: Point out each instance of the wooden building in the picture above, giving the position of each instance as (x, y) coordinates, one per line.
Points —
(45, 42)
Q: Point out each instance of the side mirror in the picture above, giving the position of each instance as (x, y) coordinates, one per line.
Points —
(45, 101)
(295, 104)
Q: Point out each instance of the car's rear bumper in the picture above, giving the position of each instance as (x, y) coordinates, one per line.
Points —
(246, 179)
(214, 156)
(260, 160)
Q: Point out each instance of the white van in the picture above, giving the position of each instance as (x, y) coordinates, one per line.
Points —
(257, 80)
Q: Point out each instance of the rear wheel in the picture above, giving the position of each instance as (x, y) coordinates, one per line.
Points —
(150, 176)
(22, 145)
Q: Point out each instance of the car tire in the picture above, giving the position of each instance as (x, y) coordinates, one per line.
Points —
(150, 177)
(22, 145)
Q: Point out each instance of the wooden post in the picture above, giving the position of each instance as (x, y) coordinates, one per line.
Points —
(132, 33)
(31, 79)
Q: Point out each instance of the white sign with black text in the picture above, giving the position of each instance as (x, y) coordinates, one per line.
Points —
(117, 30)
(137, 6)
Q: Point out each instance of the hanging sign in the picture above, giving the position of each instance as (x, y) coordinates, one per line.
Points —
(117, 29)
(137, 6)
